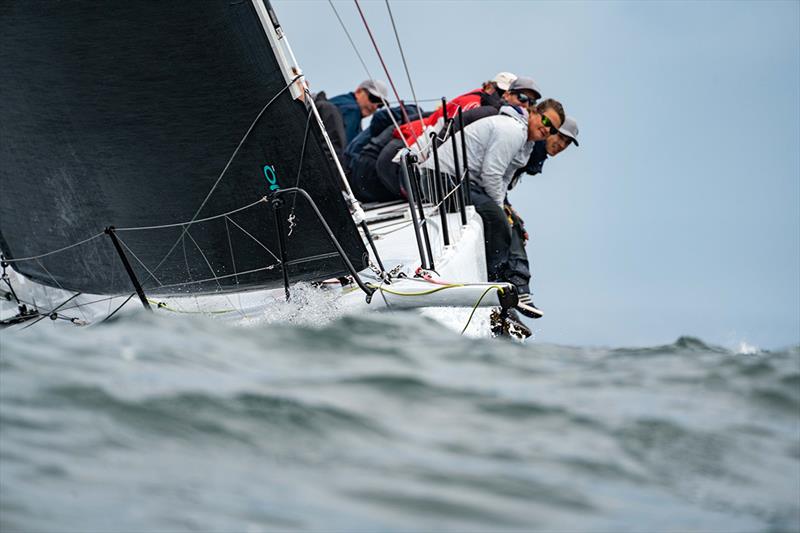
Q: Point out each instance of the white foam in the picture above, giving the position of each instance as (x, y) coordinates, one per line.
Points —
(746, 348)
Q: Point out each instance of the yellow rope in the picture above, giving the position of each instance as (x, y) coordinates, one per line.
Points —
(499, 289)
(420, 293)
(163, 305)
(475, 307)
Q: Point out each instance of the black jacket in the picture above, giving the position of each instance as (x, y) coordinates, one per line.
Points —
(334, 124)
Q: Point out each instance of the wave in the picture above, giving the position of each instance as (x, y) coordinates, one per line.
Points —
(188, 415)
(389, 422)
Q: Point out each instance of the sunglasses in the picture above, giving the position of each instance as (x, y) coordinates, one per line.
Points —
(524, 98)
(375, 99)
(549, 123)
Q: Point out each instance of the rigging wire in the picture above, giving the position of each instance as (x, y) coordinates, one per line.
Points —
(383, 63)
(128, 299)
(369, 74)
(196, 221)
(299, 168)
(226, 276)
(405, 64)
(256, 240)
(216, 279)
(230, 247)
(62, 304)
(65, 248)
(152, 275)
(352, 43)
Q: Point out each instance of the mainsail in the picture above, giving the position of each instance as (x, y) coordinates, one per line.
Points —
(125, 114)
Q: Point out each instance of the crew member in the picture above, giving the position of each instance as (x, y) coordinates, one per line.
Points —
(517, 268)
(361, 103)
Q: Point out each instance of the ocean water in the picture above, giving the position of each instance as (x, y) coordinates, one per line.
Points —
(388, 423)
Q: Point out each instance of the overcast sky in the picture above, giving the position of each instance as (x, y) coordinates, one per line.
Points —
(679, 214)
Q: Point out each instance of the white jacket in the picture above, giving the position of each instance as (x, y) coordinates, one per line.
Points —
(496, 147)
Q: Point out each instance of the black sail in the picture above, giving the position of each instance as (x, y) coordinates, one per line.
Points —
(125, 114)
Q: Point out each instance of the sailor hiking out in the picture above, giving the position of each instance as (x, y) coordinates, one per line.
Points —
(496, 147)
(517, 269)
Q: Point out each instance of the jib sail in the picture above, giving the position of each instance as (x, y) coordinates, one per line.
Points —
(125, 114)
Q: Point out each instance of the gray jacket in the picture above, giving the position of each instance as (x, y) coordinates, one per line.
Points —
(496, 147)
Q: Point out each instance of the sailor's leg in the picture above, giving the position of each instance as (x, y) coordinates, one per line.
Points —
(496, 232)
(365, 183)
(518, 268)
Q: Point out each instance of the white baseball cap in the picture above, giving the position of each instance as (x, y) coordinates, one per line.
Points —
(376, 88)
(503, 80)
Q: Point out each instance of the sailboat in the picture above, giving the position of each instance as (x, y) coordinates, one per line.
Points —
(167, 155)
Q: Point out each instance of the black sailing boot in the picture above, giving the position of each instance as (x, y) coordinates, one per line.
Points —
(527, 308)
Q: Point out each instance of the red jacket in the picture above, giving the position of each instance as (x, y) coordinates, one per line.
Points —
(413, 129)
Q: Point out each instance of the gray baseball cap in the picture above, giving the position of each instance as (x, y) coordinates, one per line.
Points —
(569, 129)
(523, 83)
(375, 88)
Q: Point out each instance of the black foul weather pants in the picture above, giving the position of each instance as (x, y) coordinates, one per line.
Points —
(496, 232)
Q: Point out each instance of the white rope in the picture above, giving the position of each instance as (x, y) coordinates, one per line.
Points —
(93, 237)
(49, 274)
(216, 279)
(188, 269)
(196, 221)
(99, 300)
(259, 242)
(385, 233)
(139, 260)
(59, 286)
(226, 276)
(59, 306)
(113, 277)
(230, 246)
(300, 166)
(65, 248)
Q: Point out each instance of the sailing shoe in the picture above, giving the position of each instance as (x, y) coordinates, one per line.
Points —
(526, 307)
